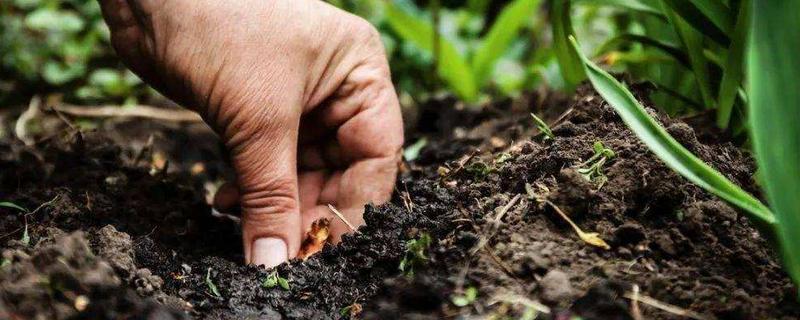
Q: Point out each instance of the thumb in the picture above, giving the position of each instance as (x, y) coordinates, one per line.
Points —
(267, 178)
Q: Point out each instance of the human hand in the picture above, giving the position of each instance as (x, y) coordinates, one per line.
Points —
(299, 91)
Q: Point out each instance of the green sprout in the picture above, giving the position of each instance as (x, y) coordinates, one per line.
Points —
(415, 254)
(592, 169)
(274, 279)
(543, 127)
(411, 152)
(211, 286)
(351, 311)
(11, 205)
(463, 300)
(26, 238)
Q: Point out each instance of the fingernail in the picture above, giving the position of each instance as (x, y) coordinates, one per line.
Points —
(269, 252)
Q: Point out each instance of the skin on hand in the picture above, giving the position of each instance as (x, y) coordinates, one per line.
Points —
(299, 91)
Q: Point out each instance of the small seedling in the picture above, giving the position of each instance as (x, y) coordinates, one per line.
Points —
(274, 279)
(463, 300)
(592, 169)
(211, 286)
(543, 127)
(415, 254)
(412, 152)
(26, 238)
(351, 311)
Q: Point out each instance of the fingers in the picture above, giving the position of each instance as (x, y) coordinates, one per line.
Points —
(226, 199)
(372, 137)
(118, 14)
(267, 172)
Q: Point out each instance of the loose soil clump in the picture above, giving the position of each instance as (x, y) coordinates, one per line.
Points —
(109, 238)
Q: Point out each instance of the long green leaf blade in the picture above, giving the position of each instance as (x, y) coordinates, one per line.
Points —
(710, 17)
(693, 44)
(634, 5)
(568, 60)
(12, 206)
(500, 36)
(667, 148)
(452, 67)
(669, 48)
(775, 115)
(733, 73)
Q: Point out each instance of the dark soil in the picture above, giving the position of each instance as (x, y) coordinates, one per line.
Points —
(109, 238)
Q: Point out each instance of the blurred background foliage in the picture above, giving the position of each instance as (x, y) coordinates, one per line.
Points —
(485, 48)
(60, 46)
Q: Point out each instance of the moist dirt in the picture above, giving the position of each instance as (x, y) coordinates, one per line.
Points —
(117, 226)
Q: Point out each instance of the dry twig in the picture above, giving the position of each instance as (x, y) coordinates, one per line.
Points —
(139, 111)
(341, 217)
(666, 307)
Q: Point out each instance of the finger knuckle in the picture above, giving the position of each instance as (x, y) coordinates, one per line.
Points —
(270, 198)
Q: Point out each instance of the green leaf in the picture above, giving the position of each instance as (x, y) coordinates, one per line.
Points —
(283, 283)
(49, 19)
(568, 59)
(543, 127)
(711, 17)
(452, 67)
(505, 29)
(26, 237)
(693, 44)
(12, 205)
(57, 73)
(775, 114)
(634, 5)
(670, 49)
(412, 152)
(211, 286)
(271, 281)
(668, 149)
(733, 72)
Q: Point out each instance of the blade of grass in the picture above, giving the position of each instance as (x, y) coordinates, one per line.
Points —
(452, 67)
(667, 148)
(12, 205)
(500, 36)
(634, 5)
(693, 44)
(568, 60)
(710, 17)
(733, 72)
(775, 114)
(669, 48)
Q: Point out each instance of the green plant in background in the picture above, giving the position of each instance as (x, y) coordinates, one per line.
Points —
(693, 50)
(469, 69)
(60, 46)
